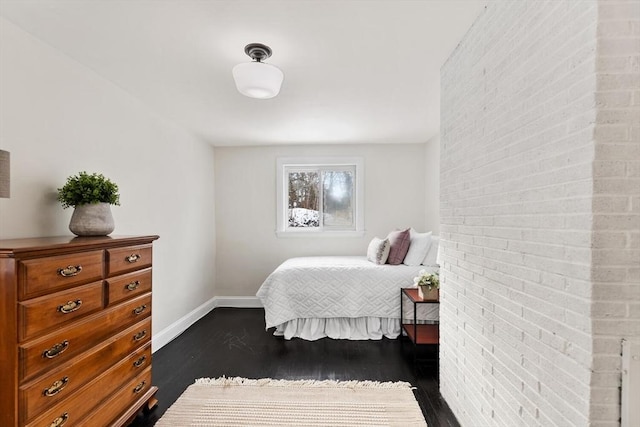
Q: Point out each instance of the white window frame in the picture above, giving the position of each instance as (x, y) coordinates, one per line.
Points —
(282, 202)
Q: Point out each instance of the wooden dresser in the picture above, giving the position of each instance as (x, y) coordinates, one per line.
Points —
(75, 330)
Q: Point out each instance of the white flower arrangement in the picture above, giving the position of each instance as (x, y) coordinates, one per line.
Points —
(424, 278)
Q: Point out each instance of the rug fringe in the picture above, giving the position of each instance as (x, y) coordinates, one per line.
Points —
(224, 381)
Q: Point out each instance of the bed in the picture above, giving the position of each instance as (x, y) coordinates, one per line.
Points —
(340, 297)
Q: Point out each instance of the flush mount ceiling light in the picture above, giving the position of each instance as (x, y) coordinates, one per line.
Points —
(256, 79)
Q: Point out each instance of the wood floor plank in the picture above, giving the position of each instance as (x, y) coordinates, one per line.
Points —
(233, 342)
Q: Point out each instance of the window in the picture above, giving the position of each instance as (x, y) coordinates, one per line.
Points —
(320, 196)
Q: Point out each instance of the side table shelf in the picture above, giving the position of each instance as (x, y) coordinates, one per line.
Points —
(422, 334)
(418, 333)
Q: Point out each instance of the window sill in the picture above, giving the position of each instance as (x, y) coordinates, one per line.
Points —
(315, 234)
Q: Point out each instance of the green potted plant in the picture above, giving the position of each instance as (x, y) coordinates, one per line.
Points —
(428, 285)
(91, 196)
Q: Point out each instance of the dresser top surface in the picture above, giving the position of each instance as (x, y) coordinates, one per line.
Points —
(12, 247)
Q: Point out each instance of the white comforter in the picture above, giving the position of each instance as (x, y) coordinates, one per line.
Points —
(334, 287)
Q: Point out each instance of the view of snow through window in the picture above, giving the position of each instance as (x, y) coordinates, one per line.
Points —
(325, 195)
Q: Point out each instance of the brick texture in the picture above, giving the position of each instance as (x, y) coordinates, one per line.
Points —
(616, 214)
(539, 183)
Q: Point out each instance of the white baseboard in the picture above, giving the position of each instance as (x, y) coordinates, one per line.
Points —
(169, 333)
(238, 302)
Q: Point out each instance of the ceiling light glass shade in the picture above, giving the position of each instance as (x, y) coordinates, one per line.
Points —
(257, 79)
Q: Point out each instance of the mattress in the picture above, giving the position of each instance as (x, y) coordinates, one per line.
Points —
(358, 295)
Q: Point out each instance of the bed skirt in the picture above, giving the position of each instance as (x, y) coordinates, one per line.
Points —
(355, 328)
(360, 328)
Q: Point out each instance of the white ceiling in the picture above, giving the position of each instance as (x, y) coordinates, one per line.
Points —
(356, 71)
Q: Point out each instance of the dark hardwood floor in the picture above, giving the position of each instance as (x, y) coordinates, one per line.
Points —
(233, 342)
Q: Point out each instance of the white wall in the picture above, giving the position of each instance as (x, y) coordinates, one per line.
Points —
(615, 270)
(518, 113)
(247, 247)
(58, 118)
(432, 185)
(540, 197)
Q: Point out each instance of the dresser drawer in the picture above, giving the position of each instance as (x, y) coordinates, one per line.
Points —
(44, 275)
(61, 383)
(128, 285)
(40, 314)
(62, 345)
(80, 404)
(121, 260)
(121, 400)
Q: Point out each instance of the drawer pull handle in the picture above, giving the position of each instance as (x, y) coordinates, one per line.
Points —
(56, 387)
(140, 309)
(56, 350)
(133, 258)
(70, 271)
(133, 285)
(139, 387)
(60, 421)
(140, 362)
(140, 335)
(70, 306)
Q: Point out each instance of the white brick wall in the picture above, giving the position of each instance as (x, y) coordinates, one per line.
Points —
(616, 212)
(539, 212)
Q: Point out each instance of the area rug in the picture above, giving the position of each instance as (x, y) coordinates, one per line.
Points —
(267, 402)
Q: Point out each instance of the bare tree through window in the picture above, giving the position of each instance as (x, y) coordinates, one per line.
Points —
(321, 197)
(303, 199)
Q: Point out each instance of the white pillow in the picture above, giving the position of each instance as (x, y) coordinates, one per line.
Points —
(432, 255)
(378, 250)
(418, 248)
